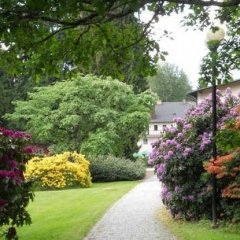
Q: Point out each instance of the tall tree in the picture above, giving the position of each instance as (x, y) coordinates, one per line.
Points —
(87, 114)
(96, 52)
(14, 88)
(43, 36)
(171, 83)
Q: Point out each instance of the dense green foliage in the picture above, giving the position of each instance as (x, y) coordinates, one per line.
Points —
(99, 49)
(110, 168)
(15, 191)
(100, 37)
(168, 79)
(87, 114)
(70, 214)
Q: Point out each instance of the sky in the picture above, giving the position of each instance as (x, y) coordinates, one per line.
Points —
(186, 50)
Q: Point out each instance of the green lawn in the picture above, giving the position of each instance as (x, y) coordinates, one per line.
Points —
(70, 214)
(199, 230)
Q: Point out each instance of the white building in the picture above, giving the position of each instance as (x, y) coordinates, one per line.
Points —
(162, 117)
(202, 93)
(165, 112)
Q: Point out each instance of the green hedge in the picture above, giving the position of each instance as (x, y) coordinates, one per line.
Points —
(110, 168)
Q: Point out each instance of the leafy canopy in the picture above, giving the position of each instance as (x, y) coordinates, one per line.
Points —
(119, 48)
(227, 57)
(100, 37)
(87, 114)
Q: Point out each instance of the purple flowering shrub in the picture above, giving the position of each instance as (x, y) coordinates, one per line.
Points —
(179, 154)
(15, 192)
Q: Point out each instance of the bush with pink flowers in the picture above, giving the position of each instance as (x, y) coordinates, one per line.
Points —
(179, 155)
(15, 192)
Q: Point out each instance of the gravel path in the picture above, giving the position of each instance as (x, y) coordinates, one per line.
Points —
(134, 216)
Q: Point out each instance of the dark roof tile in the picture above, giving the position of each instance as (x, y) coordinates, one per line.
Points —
(166, 111)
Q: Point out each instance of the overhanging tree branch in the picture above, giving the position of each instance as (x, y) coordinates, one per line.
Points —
(146, 27)
(54, 33)
(81, 35)
(229, 3)
(114, 11)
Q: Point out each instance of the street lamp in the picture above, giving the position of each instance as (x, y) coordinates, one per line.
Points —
(213, 39)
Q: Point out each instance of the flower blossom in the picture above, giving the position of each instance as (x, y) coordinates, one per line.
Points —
(168, 142)
(187, 126)
(29, 149)
(180, 135)
(186, 151)
(166, 157)
(172, 129)
(163, 144)
(189, 197)
(170, 153)
(174, 142)
(178, 119)
(161, 168)
(228, 91)
(178, 189)
(178, 146)
(12, 134)
(166, 194)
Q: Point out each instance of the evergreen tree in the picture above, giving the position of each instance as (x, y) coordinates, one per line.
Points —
(170, 84)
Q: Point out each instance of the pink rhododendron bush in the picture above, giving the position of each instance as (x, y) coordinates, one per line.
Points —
(180, 154)
(15, 192)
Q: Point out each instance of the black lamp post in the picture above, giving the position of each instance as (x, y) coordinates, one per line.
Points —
(214, 37)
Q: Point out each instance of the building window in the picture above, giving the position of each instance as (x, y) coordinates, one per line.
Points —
(164, 127)
(155, 127)
(145, 141)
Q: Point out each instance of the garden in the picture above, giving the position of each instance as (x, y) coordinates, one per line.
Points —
(184, 164)
(182, 159)
(71, 213)
(79, 81)
(48, 159)
(58, 180)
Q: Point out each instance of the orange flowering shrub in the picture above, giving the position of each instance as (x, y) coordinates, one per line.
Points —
(231, 191)
(227, 167)
(237, 125)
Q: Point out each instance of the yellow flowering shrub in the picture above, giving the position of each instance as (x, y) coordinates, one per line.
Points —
(59, 171)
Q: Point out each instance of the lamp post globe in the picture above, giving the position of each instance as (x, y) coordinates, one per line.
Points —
(213, 37)
(216, 34)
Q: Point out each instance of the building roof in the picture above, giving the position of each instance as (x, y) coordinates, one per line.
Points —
(166, 111)
(229, 84)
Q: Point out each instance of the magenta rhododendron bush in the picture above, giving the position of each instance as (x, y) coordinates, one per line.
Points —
(15, 192)
(180, 153)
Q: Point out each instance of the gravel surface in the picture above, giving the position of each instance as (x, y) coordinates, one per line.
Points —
(134, 216)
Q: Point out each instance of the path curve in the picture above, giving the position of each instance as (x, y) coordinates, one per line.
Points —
(134, 216)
